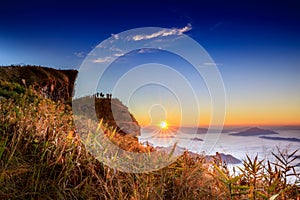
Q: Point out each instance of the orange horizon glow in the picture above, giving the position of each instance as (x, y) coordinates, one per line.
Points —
(239, 114)
(229, 121)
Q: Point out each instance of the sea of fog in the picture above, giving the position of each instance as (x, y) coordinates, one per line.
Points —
(210, 143)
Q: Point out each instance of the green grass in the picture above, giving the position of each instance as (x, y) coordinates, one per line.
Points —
(42, 157)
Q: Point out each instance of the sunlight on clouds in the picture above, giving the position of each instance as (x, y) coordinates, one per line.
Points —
(118, 54)
(103, 60)
(163, 33)
(115, 36)
(188, 27)
(148, 50)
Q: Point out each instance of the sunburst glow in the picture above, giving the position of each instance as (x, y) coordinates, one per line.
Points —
(163, 125)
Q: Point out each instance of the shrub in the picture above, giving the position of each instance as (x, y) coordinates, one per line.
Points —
(42, 157)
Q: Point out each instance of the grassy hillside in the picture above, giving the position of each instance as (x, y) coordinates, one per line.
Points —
(43, 157)
(58, 85)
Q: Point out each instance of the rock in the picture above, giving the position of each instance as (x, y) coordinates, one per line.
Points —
(112, 111)
(51, 83)
(58, 85)
(227, 158)
(254, 132)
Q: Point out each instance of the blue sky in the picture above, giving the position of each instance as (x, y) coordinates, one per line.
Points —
(52, 32)
(256, 44)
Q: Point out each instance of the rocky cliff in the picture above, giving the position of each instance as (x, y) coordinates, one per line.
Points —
(58, 85)
(112, 111)
(49, 82)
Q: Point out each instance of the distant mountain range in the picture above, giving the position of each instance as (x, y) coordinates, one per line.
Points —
(254, 132)
(287, 128)
(281, 138)
(227, 158)
(193, 130)
(183, 129)
(234, 129)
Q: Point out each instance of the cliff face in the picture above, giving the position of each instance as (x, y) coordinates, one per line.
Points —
(117, 115)
(112, 111)
(58, 85)
(50, 83)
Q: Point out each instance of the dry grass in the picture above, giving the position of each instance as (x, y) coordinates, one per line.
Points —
(42, 157)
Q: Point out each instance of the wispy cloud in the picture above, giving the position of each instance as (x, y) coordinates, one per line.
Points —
(148, 50)
(113, 48)
(115, 36)
(162, 33)
(118, 54)
(103, 60)
(185, 29)
(212, 64)
(79, 54)
(107, 58)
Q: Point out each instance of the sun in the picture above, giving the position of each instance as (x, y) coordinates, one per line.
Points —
(163, 125)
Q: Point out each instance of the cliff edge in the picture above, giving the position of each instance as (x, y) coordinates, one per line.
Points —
(58, 85)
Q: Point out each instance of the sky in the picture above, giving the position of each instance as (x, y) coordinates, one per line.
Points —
(254, 44)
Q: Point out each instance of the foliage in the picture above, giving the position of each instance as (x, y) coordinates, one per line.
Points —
(9, 89)
(51, 83)
(42, 157)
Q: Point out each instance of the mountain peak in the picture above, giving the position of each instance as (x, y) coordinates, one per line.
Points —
(255, 131)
